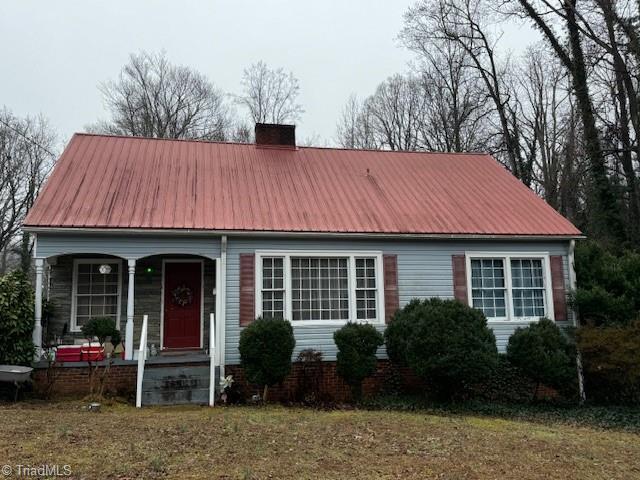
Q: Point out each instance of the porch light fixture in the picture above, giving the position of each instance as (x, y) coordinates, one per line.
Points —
(105, 269)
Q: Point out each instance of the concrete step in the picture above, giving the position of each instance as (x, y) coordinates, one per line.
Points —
(198, 396)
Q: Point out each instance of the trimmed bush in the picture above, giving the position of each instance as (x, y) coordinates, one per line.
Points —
(356, 360)
(400, 331)
(101, 327)
(266, 346)
(545, 355)
(611, 361)
(445, 342)
(16, 319)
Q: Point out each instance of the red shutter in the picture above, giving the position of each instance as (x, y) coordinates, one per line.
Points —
(557, 285)
(247, 288)
(459, 265)
(391, 299)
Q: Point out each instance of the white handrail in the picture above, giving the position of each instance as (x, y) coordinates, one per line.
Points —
(212, 360)
(142, 354)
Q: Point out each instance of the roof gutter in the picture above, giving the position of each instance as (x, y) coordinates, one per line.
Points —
(267, 233)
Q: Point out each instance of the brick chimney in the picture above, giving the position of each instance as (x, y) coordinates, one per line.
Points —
(275, 135)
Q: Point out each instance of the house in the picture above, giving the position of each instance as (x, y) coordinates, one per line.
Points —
(178, 230)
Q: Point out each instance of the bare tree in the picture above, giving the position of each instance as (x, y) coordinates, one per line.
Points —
(550, 131)
(154, 98)
(270, 94)
(27, 153)
(355, 129)
(390, 118)
(456, 114)
(568, 45)
(468, 25)
(397, 111)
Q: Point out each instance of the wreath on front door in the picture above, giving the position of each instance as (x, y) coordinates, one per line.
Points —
(182, 295)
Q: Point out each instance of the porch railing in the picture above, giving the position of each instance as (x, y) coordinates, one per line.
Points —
(142, 357)
(212, 360)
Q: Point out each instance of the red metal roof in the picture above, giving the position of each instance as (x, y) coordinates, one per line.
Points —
(124, 182)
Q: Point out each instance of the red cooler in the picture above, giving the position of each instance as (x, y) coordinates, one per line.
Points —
(93, 352)
(69, 353)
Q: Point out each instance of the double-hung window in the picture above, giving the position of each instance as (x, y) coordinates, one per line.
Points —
(510, 287)
(96, 291)
(320, 287)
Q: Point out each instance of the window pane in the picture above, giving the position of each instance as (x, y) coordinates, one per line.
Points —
(272, 287)
(96, 294)
(488, 287)
(319, 283)
(528, 287)
(366, 289)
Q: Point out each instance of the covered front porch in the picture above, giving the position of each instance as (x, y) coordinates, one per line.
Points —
(176, 281)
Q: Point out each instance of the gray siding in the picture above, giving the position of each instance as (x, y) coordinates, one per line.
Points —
(424, 271)
(132, 246)
(148, 296)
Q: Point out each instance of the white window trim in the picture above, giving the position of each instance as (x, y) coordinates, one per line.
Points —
(507, 257)
(73, 326)
(351, 255)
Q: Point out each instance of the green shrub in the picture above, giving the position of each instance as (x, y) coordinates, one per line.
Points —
(400, 331)
(266, 346)
(505, 384)
(545, 355)
(101, 327)
(356, 360)
(611, 362)
(608, 285)
(445, 342)
(16, 319)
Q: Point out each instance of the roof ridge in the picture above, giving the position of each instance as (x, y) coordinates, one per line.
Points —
(276, 147)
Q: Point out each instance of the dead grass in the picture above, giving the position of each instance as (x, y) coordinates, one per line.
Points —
(275, 442)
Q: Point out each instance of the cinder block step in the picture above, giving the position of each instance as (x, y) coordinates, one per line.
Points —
(198, 396)
(151, 373)
(175, 385)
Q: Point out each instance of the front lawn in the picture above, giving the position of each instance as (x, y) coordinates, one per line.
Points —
(276, 442)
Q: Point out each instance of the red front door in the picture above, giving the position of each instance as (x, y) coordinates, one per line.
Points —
(182, 299)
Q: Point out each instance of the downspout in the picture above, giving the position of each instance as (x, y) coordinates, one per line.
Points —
(222, 291)
(573, 284)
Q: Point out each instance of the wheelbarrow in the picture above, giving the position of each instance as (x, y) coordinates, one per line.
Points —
(15, 374)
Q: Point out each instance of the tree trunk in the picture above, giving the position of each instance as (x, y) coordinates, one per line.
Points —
(606, 222)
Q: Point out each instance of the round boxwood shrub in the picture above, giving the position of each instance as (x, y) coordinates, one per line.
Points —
(399, 331)
(356, 360)
(544, 354)
(266, 346)
(16, 319)
(445, 342)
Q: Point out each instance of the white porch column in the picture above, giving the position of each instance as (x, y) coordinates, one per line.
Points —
(37, 328)
(128, 338)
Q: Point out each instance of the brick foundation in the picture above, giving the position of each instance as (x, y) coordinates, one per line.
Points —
(319, 380)
(64, 381)
(323, 382)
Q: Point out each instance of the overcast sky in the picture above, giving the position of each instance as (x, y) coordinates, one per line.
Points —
(54, 53)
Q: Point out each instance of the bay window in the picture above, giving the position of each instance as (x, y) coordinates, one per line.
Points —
(510, 287)
(319, 287)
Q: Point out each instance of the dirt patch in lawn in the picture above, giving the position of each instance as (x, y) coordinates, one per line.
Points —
(121, 442)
